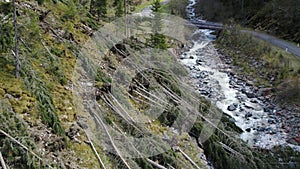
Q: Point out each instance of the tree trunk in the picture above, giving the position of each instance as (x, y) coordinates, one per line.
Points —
(125, 17)
(16, 56)
(2, 162)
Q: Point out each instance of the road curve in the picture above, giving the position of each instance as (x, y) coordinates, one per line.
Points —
(289, 47)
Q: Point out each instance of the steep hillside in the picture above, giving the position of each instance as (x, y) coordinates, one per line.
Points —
(75, 103)
(40, 125)
(278, 17)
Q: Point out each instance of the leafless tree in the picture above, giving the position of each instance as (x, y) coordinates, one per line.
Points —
(16, 52)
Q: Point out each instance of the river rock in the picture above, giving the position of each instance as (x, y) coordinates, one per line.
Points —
(253, 101)
(205, 92)
(232, 82)
(270, 130)
(248, 114)
(264, 91)
(292, 141)
(271, 121)
(250, 94)
(203, 74)
(197, 68)
(260, 128)
(191, 67)
(232, 107)
(199, 61)
(267, 110)
(248, 106)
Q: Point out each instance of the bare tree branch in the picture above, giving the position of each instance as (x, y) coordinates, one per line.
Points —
(176, 148)
(24, 147)
(156, 164)
(94, 149)
(16, 56)
(2, 162)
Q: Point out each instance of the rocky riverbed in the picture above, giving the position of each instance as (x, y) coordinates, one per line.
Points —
(251, 108)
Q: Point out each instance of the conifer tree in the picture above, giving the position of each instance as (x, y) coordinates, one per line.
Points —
(156, 6)
(157, 40)
(98, 8)
(119, 8)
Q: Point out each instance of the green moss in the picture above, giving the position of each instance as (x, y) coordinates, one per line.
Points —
(87, 155)
(16, 127)
(2, 92)
(168, 117)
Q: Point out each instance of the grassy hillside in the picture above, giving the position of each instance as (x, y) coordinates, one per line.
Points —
(42, 126)
(38, 110)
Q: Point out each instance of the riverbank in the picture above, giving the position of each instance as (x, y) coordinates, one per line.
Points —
(273, 75)
(242, 103)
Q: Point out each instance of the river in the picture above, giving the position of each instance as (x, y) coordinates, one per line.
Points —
(216, 81)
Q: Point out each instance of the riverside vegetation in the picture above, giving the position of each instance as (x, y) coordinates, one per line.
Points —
(37, 108)
(277, 17)
(262, 63)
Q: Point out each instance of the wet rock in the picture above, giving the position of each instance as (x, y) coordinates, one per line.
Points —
(203, 74)
(268, 110)
(250, 94)
(199, 61)
(270, 130)
(260, 128)
(243, 90)
(230, 74)
(253, 101)
(297, 139)
(248, 106)
(236, 86)
(261, 98)
(264, 91)
(232, 120)
(205, 92)
(271, 121)
(241, 98)
(232, 107)
(197, 68)
(191, 67)
(292, 141)
(248, 114)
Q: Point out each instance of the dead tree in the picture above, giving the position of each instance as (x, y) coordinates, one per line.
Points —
(16, 52)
